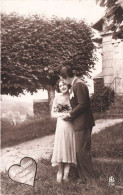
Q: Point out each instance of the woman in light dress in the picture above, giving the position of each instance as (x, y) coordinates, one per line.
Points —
(64, 152)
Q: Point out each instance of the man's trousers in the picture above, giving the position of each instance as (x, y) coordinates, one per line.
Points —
(83, 153)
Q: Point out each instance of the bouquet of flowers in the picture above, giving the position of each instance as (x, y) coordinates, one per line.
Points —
(62, 108)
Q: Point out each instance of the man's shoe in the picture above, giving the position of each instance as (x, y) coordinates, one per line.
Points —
(92, 183)
(81, 181)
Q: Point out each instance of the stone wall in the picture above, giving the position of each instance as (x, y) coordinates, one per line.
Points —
(41, 108)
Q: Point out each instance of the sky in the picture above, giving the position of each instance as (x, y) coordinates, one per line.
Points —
(61, 8)
(79, 9)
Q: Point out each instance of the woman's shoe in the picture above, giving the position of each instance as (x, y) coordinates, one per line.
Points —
(66, 172)
(59, 177)
(66, 178)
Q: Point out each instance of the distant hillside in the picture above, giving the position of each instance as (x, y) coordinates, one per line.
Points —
(23, 103)
(22, 107)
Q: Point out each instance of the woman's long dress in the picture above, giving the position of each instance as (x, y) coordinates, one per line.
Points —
(64, 143)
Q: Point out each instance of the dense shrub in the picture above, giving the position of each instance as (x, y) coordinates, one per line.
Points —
(101, 99)
(6, 123)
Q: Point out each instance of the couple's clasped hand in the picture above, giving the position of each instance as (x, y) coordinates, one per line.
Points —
(66, 116)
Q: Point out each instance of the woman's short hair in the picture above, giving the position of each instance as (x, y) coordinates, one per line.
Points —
(57, 85)
(66, 72)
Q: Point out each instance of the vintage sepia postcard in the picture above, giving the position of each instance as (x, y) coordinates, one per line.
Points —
(61, 97)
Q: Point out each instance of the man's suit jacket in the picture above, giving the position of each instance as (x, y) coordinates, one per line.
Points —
(81, 113)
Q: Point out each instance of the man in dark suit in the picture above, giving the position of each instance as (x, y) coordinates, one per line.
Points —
(83, 121)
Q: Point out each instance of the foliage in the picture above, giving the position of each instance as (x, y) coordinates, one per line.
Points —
(101, 99)
(116, 8)
(12, 117)
(6, 123)
(34, 50)
(40, 109)
(110, 3)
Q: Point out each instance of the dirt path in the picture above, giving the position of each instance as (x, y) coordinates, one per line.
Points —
(41, 147)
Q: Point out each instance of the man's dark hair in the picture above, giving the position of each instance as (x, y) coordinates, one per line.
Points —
(66, 72)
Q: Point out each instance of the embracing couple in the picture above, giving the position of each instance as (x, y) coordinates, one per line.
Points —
(72, 144)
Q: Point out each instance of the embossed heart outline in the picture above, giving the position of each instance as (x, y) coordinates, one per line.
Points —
(19, 167)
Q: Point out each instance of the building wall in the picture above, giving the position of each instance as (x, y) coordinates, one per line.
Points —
(112, 65)
(118, 64)
(107, 64)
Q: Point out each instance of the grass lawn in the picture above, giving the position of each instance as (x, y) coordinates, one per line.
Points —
(105, 144)
(108, 143)
(45, 182)
(25, 131)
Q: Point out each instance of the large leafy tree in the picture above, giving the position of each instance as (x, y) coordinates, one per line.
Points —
(34, 50)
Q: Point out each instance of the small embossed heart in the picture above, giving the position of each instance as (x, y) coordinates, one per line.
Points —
(25, 172)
